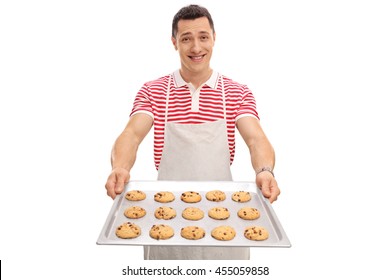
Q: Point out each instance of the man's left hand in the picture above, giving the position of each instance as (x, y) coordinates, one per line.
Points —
(268, 185)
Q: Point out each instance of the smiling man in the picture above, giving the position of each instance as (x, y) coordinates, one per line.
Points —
(194, 112)
(194, 40)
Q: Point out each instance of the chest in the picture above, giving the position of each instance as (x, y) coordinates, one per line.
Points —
(198, 106)
(196, 101)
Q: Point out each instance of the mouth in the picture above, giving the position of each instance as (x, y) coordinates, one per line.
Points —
(197, 58)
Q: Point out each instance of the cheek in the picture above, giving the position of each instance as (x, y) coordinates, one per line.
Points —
(209, 47)
(182, 50)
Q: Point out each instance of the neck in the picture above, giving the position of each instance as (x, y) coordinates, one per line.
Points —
(196, 78)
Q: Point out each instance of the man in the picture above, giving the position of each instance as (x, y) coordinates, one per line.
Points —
(194, 112)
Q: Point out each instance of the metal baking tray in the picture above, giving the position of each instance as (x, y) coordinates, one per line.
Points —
(268, 219)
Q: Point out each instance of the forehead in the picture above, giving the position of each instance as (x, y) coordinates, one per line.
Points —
(192, 26)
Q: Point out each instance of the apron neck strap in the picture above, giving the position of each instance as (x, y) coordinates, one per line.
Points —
(167, 98)
(223, 97)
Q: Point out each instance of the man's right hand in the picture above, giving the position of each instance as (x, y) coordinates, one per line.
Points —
(116, 182)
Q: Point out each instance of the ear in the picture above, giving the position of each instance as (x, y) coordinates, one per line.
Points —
(174, 42)
(215, 36)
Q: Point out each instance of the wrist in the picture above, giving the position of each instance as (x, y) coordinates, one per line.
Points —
(120, 167)
(265, 169)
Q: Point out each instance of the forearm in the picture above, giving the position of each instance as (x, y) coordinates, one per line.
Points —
(262, 153)
(262, 156)
(125, 148)
(124, 151)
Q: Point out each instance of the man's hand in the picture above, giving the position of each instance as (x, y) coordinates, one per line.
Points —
(268, 185)
(116, 182)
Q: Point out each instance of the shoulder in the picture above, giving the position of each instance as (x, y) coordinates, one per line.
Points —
(155, 87)
(232, 85)
(158, 82)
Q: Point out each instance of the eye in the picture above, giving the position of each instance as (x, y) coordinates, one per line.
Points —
(204, 38)
(185, 39)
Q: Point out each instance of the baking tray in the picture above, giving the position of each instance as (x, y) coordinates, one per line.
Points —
(268, 219)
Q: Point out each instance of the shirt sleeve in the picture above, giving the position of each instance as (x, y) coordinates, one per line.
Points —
(248, 105)
(142, 102)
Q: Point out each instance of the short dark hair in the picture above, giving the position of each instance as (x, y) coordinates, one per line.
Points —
(191, 12)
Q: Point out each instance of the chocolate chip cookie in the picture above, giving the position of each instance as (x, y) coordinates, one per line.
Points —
(216, 195)
(164, 197)
(223, 233)
(161, 232)
(191, 197)
(135, 195)
(192, 232)
(256, 233)
(135, 212)
(241, 196)
(248, 213)
(128, 230)
(192, 213)
(219, 213)
(165, 213)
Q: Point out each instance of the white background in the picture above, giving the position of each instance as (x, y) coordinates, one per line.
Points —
(69, 71)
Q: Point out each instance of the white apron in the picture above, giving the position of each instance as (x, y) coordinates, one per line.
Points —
(195, 152)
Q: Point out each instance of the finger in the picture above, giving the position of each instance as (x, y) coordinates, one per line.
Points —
(275, 192)
(110, 187)
(111, 193)
(272, 198)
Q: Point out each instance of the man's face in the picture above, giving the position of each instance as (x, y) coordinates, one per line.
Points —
(194, 41)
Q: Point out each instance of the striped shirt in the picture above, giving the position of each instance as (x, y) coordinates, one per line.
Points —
(188, 105)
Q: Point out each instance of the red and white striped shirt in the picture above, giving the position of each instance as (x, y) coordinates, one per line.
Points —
(190, 106)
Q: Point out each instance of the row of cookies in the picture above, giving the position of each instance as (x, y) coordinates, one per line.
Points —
(192, 213)
(161, 232)
(189, 196)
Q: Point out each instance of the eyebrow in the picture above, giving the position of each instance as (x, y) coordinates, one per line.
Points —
(189, 33)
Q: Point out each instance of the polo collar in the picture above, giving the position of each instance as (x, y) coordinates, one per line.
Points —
(211, 82)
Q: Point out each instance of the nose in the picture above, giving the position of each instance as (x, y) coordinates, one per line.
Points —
(196, 47)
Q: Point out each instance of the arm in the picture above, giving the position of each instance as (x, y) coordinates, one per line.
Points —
(262, 155)
(124, 152)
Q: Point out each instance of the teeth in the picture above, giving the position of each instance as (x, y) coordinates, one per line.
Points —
(197, 57)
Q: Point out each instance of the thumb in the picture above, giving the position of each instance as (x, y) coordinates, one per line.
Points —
(266, 190)
(264, 186)
(120, 182)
